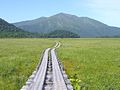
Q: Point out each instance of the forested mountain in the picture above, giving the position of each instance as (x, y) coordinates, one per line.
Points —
(84, 26)
(10, 31)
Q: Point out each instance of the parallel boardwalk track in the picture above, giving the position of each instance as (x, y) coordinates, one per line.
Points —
(49, 75)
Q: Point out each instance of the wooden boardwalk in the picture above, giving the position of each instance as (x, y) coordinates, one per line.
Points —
(49, 74)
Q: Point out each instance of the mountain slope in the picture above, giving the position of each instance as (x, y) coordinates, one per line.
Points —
(8, 30)
(83, 26)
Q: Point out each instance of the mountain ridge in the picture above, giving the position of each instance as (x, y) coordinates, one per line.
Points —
(84, 26)
(8, 30)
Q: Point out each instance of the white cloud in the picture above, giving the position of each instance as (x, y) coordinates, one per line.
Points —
(105, 4)
(109, 10)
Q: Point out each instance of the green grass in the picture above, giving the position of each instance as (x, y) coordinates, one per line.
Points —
(94, 62)
(18, 58)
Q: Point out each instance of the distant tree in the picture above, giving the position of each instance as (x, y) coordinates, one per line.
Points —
(62, 34)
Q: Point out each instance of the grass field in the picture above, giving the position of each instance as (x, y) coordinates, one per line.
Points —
(94, 62)
(18, 58)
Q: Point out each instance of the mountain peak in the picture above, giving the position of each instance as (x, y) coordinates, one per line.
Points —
(64, 15)
(84, 26)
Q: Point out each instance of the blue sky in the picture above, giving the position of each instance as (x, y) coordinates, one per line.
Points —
(107, 11)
